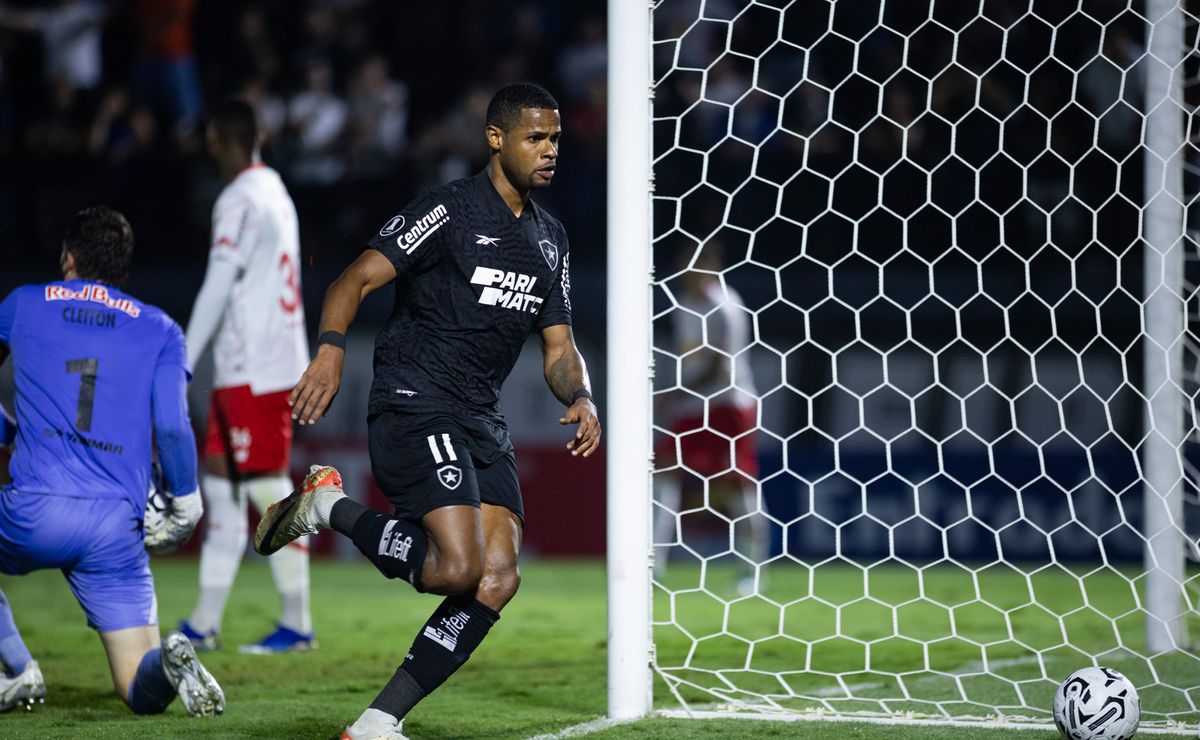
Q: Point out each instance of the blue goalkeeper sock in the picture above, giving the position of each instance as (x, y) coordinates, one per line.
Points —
(13, 652)
(150, 692)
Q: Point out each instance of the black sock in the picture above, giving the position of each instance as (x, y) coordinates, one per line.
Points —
(443, 645)
(396, 546)
(400, 695)
(345, 514)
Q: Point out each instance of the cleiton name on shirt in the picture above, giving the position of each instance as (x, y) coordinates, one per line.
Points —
(95, 294)
(90, 317)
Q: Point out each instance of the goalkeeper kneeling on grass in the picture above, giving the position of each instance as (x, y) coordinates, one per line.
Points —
(96, 370)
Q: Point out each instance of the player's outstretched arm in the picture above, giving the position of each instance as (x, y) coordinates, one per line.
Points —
(209, 308)
(173, 430)
(314, 392)
(177, 453)
(566, 374)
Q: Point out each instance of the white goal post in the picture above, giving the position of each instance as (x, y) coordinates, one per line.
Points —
(943, 256)
(628, 355)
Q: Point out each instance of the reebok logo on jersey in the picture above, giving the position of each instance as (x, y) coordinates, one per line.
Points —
(487, 241)
(422, 228)
(93, 293)
(506, 289)
(451, 627)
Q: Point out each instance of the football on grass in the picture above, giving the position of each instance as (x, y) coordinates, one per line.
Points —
(1097, 704)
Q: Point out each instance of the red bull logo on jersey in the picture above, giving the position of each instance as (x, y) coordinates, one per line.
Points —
(95, 294)
(506, 289)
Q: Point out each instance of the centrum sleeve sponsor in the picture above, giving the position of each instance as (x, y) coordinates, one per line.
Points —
(422, 228)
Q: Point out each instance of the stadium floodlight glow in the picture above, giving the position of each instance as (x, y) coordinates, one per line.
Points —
(960, 233)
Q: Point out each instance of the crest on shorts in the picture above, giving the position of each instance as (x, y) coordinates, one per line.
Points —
(450, 476)
(550, 252)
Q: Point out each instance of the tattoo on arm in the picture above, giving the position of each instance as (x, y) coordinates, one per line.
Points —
(566, 375)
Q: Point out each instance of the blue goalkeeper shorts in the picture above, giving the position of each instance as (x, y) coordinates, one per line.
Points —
(97, 543)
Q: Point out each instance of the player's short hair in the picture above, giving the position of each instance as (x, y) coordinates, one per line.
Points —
(101, 241)
(504, 111)
(236, 123)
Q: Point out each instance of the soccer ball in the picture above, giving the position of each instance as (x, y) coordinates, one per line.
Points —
(1097, 704)
(158, 506)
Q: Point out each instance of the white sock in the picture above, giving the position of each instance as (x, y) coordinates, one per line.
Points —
(324, 505)
(373, 722)
(289, 566)
(224, 543)
(752, 533)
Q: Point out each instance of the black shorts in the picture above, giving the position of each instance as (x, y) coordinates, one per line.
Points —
(423, 462)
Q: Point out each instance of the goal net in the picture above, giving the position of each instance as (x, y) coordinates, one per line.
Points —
(924, 336)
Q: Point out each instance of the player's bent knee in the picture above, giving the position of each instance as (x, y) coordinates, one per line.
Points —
(455, 577)
(498, 586)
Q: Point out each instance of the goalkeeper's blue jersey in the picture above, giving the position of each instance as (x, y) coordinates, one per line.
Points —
(85, 357)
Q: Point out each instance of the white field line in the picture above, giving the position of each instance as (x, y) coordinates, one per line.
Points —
(584, 728)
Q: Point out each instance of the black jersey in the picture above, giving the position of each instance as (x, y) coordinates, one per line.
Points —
(473, 281)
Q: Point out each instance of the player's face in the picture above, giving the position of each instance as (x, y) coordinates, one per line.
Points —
(529, 152)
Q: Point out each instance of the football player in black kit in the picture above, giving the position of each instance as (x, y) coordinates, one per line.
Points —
(478, 266)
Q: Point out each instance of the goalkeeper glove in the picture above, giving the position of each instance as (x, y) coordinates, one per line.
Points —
(169, 520)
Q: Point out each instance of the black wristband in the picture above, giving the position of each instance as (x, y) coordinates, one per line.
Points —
(336, 338)
(581, 393)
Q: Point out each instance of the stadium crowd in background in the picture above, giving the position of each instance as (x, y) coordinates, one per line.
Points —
(361, 100)
(367, 101)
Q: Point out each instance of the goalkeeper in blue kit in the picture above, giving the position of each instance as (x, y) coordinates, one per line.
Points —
(96, 373)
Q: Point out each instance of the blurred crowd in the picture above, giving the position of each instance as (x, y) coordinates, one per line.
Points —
(363, 102)
(960, 117)
(967, 129)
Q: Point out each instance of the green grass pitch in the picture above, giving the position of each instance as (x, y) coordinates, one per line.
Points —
(541, 670)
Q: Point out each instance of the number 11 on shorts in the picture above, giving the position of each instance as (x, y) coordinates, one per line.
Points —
(437, 454)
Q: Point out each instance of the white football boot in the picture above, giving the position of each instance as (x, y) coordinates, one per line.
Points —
(24, 689)
(375, 725)
(198, 690)
(299, 513)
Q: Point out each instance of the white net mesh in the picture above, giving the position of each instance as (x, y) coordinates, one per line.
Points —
(905, 426)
